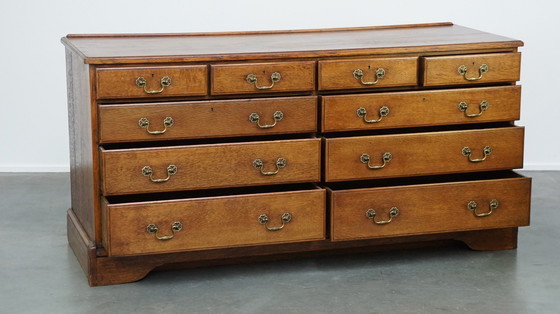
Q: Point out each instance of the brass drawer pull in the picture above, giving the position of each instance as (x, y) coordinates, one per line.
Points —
(145, 124)
(359, 75)
(148, 172)
(463, 106)
(164, 82)
(280, 163)
(153, 229)
(473, 206)
(393, 212)
(274, 78)
(365, 158)
(286, 217)
(277, 116)
(467, 152)
(482, 69)
(362, 112)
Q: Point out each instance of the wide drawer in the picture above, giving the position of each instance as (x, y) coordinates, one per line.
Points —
(415, 154)
(430, 208)
(142, 82)
(420, 108)
(263, 77)
(213, 222)
(189, 120)
(472, 69)
(368, 73)
(143, 170)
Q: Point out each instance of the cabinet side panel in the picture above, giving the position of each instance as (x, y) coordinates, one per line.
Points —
(82, 176)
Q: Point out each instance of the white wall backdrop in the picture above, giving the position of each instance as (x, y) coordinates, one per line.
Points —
(33, 113)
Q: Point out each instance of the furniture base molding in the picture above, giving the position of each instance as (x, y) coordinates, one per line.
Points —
(105, 270)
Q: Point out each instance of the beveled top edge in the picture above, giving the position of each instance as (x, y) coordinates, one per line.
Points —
(264, 32)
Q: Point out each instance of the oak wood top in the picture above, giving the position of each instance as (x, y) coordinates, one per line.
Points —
(417, 38)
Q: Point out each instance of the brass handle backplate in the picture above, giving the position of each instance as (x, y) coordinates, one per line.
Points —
(263, 220)
(145, 124)
(467, 152)
(153, 229)
(148, 172)
(280, 163)
(473, 206)
(274, 78)
(386, 158)
(463, 106)
(482, 69)
(362, 113)
(164, 82)
(359, 75)
(255, 118)
(393, 212)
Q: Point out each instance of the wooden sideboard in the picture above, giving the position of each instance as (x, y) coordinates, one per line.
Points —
(202, 149)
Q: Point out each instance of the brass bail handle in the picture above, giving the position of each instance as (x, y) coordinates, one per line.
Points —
(473, 206)
(145, 124)
(148, 172)
(164, 82)
(255, 118)
(362, 113)
(393, 212)
(153, 229)
(359, 75)
(286, 218)
(386, 158)
(463, 106)
(482, 69)
(274, 78)
(467, 152)
(280, 163)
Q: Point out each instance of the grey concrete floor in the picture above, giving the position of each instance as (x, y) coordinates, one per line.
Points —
(39, 273)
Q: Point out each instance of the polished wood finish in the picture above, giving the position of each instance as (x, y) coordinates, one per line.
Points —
(503, 67)
(232, 78)
(215, 222)
(210, 166)
(428, 153)
(213, 143)
(154, 48)
(429, 208)
(114, 83)
(205, 119)
(420, 108)
(337, 74)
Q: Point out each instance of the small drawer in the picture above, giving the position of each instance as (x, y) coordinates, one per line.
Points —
(145, 170)
(420, 108)
(368, 73)
(415, 154)
(472, 69)
(142, 82)
(204, 119)
(430, 208)
(213, 222)
(250, 78)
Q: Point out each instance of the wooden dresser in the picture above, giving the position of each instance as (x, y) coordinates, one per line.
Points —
(191, 150)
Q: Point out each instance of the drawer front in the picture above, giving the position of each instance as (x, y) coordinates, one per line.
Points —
(190, 120)
(423, 108)
(249, 78)
(142, 82)
(430, 208)
(368, 73)
(214, 222)
(414, 154)
(472, 69)
(127, 171)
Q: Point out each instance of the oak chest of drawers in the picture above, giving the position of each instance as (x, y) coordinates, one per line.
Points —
(199, 149)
